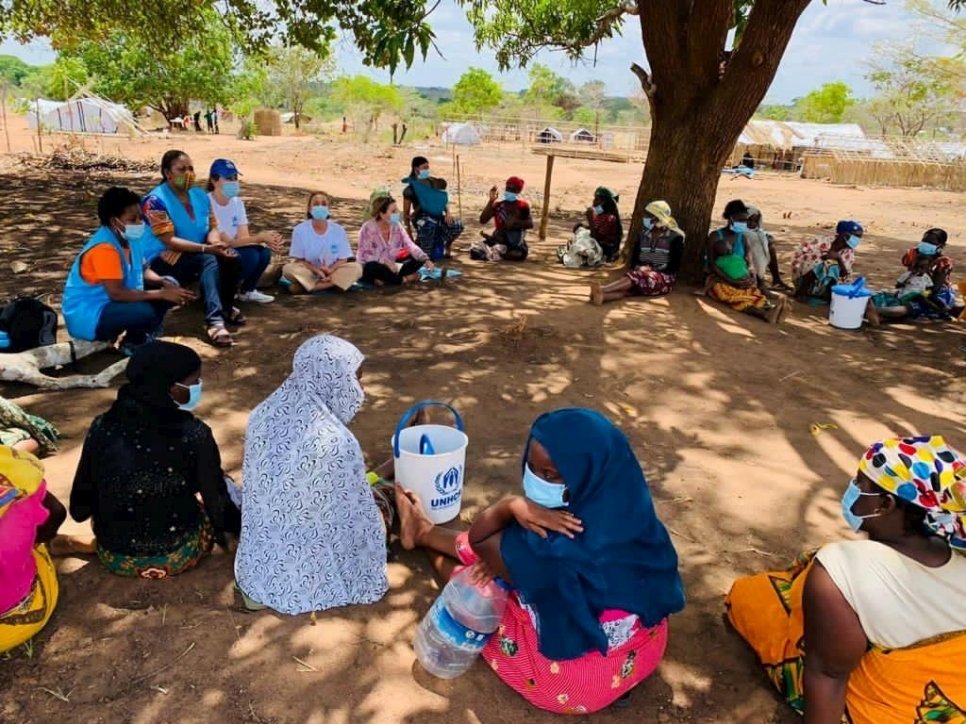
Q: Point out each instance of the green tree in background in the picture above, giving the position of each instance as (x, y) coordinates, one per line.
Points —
(294, 73)
(365, 101)
(550, 89)
(139, 70)
(475, 92)
(914, 93)
(827, 104)
(58, 81)
(14, 71)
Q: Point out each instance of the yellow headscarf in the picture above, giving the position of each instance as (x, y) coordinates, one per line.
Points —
(19, 471)
(661, 211)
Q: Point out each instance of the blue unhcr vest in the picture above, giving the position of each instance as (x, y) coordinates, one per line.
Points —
(83, 301)
(184, 226)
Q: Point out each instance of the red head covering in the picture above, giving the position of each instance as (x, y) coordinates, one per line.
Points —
(514, 184)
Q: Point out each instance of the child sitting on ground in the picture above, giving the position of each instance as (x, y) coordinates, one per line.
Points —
(915, 282)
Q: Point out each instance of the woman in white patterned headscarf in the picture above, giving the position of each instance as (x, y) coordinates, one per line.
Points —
(312, 536)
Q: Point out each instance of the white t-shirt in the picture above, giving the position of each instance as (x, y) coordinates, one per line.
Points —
(320, 249)
(230, 216)
(899, 601)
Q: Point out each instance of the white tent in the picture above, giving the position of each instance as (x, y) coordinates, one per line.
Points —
(788, 135)
(582, 135)
(289, 117)
(550, 135)
(461, 134)
(81, 115)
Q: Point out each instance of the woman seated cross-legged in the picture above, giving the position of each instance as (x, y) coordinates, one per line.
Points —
(387, 254)
(314, 528)
(144, 463)
(593, 573)
(320, 251)
(731, 275)
(105, 294)
(654, 261)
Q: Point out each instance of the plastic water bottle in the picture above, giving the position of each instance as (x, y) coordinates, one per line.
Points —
(457, 627)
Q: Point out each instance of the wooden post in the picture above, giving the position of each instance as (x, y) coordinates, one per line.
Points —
(459, 186)
(40, 139)
(545, 215)
(3, 111)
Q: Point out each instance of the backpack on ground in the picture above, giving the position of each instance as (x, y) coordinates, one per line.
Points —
(28, 323)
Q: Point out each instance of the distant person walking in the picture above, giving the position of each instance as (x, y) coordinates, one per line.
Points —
(214, 119)
(209, 123)
(197, 120)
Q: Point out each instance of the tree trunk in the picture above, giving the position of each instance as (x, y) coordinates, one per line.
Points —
(697, 113)
(171, 108)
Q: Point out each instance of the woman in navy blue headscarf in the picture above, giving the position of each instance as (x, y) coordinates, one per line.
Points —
(593, 570)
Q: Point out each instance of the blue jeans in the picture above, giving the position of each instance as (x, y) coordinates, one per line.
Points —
(253, 261)
(218, 279)
(140, 320)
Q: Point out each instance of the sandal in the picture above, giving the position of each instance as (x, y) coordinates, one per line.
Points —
(219, 336)
(236, 318)
(782, 287)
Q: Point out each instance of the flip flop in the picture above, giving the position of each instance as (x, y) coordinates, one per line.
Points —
(219, 336)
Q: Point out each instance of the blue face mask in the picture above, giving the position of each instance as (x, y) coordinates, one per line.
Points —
(928, 249)
(394, 217)
(509, 196)
(598, 210)
(423, 173)
(320, 213)
(194, 396)
(853, 241)
(549, 495)
(230, 189)
(133, 232)
(849, 498)
(739, 227)
(648, 223)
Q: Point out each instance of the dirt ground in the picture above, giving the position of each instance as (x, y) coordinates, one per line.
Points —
(718, 406)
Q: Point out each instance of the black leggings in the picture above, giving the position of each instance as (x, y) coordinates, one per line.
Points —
(374, 271)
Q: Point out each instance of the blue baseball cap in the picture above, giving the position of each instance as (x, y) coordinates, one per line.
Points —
(222, 167)
(847, 226)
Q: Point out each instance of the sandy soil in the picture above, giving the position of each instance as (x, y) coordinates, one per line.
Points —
(718, 406)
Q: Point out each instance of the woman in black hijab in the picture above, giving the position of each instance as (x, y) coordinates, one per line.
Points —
(143, 464)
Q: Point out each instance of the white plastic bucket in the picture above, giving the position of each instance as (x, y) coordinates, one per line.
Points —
(849, 301)
(437, 477)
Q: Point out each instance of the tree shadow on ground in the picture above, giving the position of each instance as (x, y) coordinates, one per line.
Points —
(718, 406)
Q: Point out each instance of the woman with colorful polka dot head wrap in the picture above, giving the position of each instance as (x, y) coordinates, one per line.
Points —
(925, 472)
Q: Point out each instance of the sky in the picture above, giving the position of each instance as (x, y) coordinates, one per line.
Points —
(832, 42)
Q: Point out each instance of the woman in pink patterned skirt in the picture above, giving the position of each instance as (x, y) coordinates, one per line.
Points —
(592, 569)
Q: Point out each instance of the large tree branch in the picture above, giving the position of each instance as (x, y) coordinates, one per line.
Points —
(647, 85)
(612, 17)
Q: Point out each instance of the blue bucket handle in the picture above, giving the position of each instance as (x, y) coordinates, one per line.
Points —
(426, 445)
(408, 414)
(856, 287)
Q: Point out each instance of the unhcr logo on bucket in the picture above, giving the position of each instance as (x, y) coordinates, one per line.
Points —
(449, 486)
